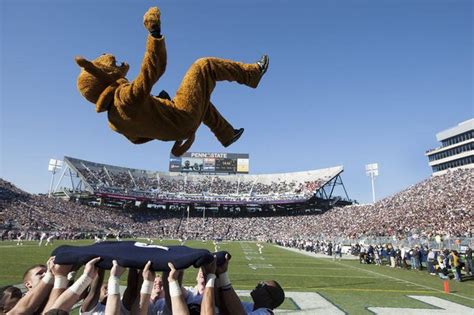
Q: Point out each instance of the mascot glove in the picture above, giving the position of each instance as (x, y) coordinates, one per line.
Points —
(152, 21)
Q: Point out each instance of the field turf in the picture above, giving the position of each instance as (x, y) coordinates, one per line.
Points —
(350, 286)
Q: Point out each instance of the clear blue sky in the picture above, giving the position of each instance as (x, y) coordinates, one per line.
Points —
(350, 82)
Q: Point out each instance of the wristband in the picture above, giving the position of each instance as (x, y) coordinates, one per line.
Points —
(223, 280)
(60, 282)
(210, 279)
(71, 276)
(147, 287)
(48, 278)
(175, 289)
(81, 284)
(113, 286)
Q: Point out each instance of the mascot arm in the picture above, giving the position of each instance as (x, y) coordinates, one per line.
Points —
(153, 67)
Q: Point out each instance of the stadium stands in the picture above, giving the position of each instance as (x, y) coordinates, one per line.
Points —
(441, 205)
(285, 187)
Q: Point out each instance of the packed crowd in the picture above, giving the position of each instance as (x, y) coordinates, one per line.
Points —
(118, 180)
(440, 205)
(53, 290)
(445, 263)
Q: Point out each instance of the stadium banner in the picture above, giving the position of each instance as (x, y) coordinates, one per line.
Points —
(208, 162)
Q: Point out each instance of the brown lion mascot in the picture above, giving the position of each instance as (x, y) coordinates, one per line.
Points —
(142, 117)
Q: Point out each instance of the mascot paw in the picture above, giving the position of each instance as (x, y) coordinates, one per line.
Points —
(151, 19)
(82, 62)
(164, 95)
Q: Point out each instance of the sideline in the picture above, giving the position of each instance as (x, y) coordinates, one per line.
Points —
(376, 273)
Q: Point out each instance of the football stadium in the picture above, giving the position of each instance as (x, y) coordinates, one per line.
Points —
(150, 214)
(329, 254)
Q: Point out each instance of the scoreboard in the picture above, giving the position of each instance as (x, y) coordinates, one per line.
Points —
(215, 163)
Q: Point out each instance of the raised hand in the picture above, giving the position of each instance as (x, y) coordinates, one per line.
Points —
(50, 263)
(223, 268)
(173, 274)
(116, 270)
(147, 273)
(152, 21)
(210, 268)
(61, 270)
(90, 269)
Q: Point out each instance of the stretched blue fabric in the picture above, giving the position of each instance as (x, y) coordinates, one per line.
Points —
(133, 255)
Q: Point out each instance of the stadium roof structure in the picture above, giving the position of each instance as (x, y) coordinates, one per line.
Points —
(122, 183)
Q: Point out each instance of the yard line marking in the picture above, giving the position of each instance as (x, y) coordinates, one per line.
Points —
(306, 267)
(261, 266)
(374, 290)
(348, 289)
(413, 283)
(382, 275)
(309, 276)
(444, 307)
(254, 258)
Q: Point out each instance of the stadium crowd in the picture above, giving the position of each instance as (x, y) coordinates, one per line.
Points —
(440, 205)
(140, 183)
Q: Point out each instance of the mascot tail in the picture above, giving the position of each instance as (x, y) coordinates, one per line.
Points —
(179, 148)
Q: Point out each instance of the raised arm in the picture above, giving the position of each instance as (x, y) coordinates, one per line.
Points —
(113, 305)
(208, 303)
(38, 295)
(154, 62)
(178, 304)
(92, 297)
(61, 282)
(69, 297)
(147, 287)
(229, 300)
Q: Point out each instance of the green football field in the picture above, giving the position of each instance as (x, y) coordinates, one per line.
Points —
(346, 286)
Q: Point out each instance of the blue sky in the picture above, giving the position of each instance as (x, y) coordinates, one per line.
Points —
(350, 82)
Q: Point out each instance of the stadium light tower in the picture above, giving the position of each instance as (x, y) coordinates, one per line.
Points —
(53, 166)
(372, 170)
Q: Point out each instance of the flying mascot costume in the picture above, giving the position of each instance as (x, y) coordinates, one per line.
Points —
(141, 117)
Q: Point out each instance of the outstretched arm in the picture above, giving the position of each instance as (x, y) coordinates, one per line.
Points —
(112, 307)
(69, 297)
(208, 303)
(38, 295)
(229, 300)
(147, 287)
(178, 304)
(154, 61)
(60, 284)
(92, 297)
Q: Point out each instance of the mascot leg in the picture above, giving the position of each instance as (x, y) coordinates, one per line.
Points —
(194, 94)
(221, 128)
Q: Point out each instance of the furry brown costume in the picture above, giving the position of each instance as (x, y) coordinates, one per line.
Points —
(142, 117)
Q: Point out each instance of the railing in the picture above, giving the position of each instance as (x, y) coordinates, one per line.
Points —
(409, 242)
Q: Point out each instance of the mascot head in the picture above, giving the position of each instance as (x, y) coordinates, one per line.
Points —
(99, 74)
